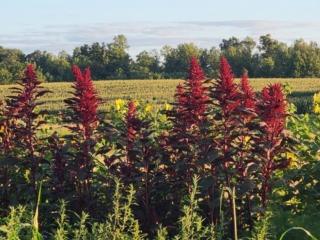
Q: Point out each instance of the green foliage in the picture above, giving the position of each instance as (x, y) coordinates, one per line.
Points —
(112, 61)
(63, 227)
(5, 76)
(298, 228)
(191, 223)
(263, 229)
(283, 218)
(15, 223)
(230, 141)
(120, 223)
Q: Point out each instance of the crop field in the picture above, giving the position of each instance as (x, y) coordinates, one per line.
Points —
(159, 92)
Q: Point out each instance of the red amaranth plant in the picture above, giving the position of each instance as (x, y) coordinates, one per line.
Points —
(273, 106)
(177, 115)
(220, 154)
(225, 89)
(84, 104)
(125, 166)
(59, 150)
(180, 98)
(133, 125)
(248, 100)
(5, 146)
(23, 121)
(247, 114)
(190, 99)
(226, 97)
(134, 161)
(85, 101)
(273, 138)
(179, 149)
(195, 93)
(191, 105)
(246, 117)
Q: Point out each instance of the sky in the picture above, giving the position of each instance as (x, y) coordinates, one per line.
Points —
(58, 25)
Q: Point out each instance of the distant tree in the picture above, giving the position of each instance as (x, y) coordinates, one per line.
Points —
(5, 76)
(80, 60)
(64, 55)
(304, 59)
(12, 64)
(81, 56)
(239, 54)
(266, 67)
(142, 66)
(120, 62)
(147, 65)
(156, 66)
(274, 58)
(176, 60)
(2, 53)
(248, 46)
(61, 70)
(270, 58)
(233, 55)
(209, 60)
(231, 42)
(267, 46)
(50, 67)
(42, 62)
(35, 57)
(281, 58)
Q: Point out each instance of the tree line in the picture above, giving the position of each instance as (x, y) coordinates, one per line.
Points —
(269, 58)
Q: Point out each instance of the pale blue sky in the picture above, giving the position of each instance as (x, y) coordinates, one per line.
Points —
(65, 24)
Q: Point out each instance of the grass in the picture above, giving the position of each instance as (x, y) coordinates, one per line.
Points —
(120, 223)
(284, 220)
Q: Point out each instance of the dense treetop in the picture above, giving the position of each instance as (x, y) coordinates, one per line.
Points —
(266, 59)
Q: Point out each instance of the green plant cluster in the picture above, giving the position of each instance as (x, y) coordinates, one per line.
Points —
(209, 166)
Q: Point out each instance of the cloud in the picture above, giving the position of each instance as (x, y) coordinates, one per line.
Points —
(148, 35)
(255, 24)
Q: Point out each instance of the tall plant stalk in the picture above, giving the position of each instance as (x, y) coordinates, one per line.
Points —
(273, 140)
(84, 104)
(23, 120)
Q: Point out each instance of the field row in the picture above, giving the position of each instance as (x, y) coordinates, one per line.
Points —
(158, 92)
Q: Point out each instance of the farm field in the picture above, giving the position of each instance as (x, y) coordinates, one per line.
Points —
(159, 92)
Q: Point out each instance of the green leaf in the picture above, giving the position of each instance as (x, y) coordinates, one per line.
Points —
(103, 150)
(206, 183)
(39, 94)
(215, 203)
(317, 187)
(81, 174)
(245, 187)
(36, 214)
(4, 229)
(181, 147)
(298, 228)
(10, 161)
(253, 168)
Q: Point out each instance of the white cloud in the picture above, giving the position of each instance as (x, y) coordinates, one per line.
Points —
(149, 35)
